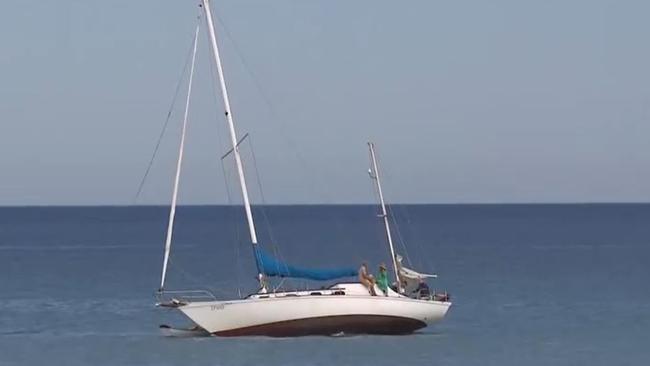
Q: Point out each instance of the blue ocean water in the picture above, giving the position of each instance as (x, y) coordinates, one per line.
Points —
(531, 284)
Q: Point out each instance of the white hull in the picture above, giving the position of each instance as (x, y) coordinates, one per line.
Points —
(306, 313)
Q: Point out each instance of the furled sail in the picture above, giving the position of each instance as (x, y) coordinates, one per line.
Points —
(409, 277)
(272, 267)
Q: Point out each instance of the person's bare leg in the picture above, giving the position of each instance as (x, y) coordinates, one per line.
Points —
(370, 286)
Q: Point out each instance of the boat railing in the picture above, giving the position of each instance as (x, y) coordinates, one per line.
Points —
(175, 298)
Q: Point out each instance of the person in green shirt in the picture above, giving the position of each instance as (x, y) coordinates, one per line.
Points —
(382, 279)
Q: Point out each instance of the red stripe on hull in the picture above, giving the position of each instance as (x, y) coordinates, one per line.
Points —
(329, 325)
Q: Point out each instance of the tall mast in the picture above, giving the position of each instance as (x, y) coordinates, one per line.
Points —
(231, 125)
(374, 174)
(179, 163)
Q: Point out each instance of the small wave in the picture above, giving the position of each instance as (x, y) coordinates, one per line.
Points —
(518, 304)
(81, 247)
(111, 306)
(587, 246)
(72, 333)
(19, 332)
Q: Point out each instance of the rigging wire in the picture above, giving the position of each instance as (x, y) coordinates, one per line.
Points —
(259, 185)
(167, 119)
(203, 281)
(230, 202)
(274, 114)
(391, 217)
(282, 126)
(173, 262)
(427, 262)
(199, 280)
(380, 231)
(400, 238)
(281, 123)
(231, 208)
(273, 243)
(235, 219)
(423, 260)
(172, 211)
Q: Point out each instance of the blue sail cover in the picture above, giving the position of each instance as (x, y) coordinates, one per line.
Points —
(272, 267)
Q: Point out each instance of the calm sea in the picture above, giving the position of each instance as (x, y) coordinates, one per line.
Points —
(531, 284)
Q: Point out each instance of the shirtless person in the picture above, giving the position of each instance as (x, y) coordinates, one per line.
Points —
(367, 279)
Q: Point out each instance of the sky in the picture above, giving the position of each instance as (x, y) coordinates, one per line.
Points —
(467, 101)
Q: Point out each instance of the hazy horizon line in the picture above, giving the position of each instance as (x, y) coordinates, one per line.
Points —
(567, 203)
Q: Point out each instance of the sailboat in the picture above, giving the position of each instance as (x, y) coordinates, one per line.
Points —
(340, 308)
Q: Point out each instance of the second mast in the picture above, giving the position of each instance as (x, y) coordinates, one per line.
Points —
(231, 125)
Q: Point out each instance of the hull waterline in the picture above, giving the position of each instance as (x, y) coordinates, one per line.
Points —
(330, 325)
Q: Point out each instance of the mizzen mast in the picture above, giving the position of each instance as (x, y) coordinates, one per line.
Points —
(374, 174)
